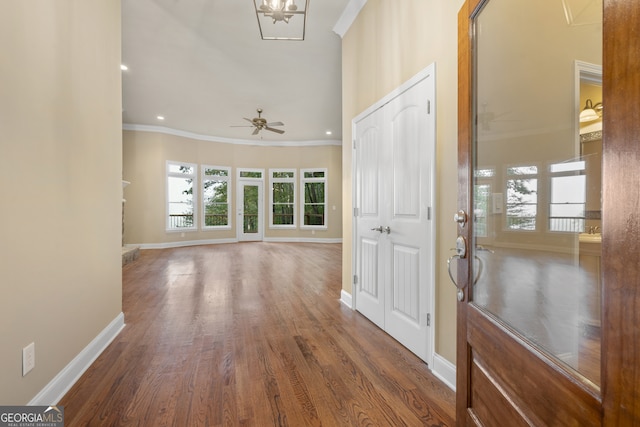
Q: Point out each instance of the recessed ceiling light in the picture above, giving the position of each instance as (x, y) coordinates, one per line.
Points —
(160, 117)
(328, 132)
(123, 67)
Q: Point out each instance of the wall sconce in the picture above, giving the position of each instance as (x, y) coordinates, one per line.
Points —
(591, 112)
(281, 19)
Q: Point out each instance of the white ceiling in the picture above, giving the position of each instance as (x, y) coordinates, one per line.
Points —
(202, 65)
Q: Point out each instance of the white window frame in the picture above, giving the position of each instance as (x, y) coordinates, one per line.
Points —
(303, 181)
(205, 178)
(273, 180)
(194, 196)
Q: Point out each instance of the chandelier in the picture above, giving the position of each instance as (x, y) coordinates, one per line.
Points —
(277, 19)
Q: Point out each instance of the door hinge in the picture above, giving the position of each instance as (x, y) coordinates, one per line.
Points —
(428, 107)
(355, 211)
(354, 144)
(429, 213)
(428, 319)
(355, 279)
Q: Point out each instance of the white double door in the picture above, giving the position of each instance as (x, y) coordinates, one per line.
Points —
(393, 233)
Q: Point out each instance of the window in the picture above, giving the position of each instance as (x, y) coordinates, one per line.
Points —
(250, 174)
(216, 182)
(283, 190)
(314, 197)
(181, 178)
(522, 197)
(568, 197)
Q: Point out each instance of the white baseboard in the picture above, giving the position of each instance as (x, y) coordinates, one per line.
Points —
(444, 370)
(302, 240)
(184, 243)
(60, 385)
(346, 299)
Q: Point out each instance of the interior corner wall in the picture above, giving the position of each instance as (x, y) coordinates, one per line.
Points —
(145, 155)
(387, 44)
(60, 184)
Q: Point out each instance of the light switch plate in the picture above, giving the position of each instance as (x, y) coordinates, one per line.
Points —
(28, 358)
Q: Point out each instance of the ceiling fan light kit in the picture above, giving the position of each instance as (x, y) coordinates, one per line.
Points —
(281, 19)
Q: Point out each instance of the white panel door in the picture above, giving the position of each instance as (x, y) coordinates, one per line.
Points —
(369, 291)
(394, 164)
(410, 132)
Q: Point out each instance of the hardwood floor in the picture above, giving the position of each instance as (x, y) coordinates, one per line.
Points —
(251, 334)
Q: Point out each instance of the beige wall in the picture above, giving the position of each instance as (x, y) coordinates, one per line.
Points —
(145, 155)
(60, 184)
(387, 44)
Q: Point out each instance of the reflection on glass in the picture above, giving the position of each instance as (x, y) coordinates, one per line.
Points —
(250, 209)
(536, 211)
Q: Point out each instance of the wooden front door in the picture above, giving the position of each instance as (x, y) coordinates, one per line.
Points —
(548, 268)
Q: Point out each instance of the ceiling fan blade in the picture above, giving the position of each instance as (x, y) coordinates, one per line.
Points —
(255, 131)
(274, 130)
(275, 124)
(240, 126)
(249, 120)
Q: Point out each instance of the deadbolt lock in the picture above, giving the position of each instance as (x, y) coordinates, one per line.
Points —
(460, 217)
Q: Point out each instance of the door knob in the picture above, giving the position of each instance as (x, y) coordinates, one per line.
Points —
(382, 229)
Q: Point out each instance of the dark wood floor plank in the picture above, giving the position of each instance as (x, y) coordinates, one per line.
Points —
(251, 334)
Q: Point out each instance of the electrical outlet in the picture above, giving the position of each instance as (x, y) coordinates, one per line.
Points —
(28, 358)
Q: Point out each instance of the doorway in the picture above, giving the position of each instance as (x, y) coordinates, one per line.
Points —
(250, 196)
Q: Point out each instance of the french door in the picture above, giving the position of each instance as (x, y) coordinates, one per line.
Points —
(250, 206)
(394, 157)
(548, 271)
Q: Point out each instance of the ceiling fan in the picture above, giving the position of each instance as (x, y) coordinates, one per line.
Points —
(260, 123)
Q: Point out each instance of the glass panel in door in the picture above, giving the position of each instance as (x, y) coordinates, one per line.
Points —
(536, 209)
(250, 210)
(250, 204)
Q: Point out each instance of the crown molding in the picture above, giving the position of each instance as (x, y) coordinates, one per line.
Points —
(349, 15)
(190, 135)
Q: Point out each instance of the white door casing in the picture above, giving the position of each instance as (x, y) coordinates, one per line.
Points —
(393, 187)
